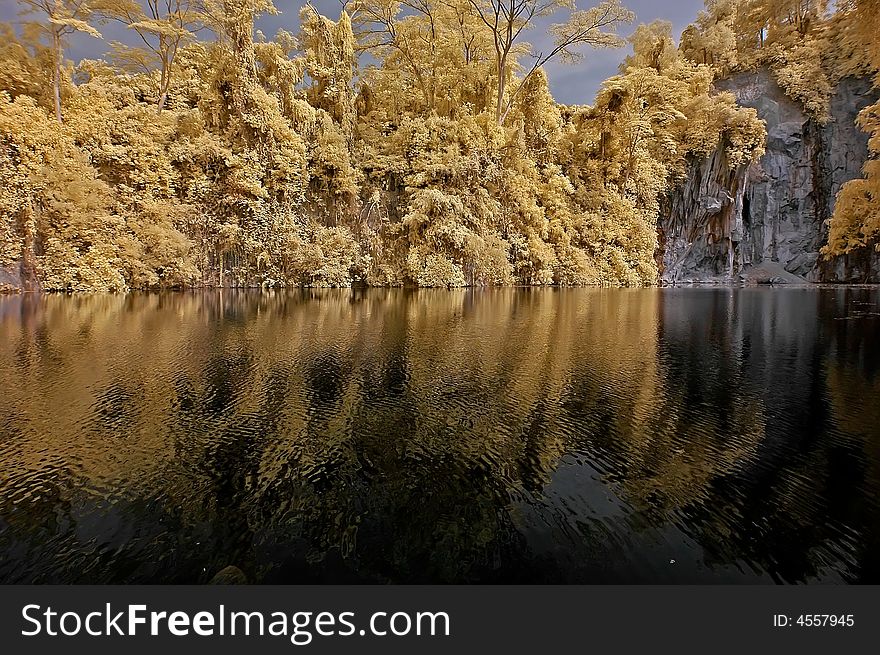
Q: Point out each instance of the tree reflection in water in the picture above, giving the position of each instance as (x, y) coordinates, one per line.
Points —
(441, 436)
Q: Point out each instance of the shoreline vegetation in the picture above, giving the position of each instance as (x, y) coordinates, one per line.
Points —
(411, 143)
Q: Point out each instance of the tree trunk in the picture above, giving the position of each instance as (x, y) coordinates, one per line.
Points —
(56, 72)
(500, 99)
(163, 86)
(163, 90)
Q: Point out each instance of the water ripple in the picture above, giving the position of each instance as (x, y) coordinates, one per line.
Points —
(401, 436)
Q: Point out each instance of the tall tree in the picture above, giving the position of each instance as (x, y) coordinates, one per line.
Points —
(408, 29)
(162, 26)
(61, 19)
(508, 19)
(330, 63)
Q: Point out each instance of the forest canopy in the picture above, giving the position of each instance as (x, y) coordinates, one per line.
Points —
(411, 142)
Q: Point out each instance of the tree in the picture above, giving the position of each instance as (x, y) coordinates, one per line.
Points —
(330, 63)
(62, 18)
(712, 39)
(762, 17)
(508, 19)
(437, 47)
(445, 161)
(653, 47)
(383, 30)
(162, 26)
(237, 23)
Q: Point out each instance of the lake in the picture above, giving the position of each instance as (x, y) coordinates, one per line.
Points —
(476, 436)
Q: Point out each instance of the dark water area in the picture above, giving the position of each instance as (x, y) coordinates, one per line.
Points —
(498, 436)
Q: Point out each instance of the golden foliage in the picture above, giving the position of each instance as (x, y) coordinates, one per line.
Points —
(790, 37)
(279, 162)
(856, 220)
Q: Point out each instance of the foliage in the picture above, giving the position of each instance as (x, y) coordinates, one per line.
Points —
(856, 221)
(241, 160)
(809, 45)
(790, 37)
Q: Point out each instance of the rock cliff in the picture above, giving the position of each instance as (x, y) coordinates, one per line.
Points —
(721, 223)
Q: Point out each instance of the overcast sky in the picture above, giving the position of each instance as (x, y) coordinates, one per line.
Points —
(575, 84)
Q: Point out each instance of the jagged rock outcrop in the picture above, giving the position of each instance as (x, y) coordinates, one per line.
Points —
(721, 223)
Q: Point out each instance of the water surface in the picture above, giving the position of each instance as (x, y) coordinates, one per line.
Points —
(657, 436)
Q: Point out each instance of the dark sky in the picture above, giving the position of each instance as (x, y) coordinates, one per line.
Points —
(575, 84)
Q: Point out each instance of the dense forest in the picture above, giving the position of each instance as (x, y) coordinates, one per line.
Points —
(411, 142)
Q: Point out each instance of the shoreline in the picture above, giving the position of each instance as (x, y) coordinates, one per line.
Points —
(708, 284)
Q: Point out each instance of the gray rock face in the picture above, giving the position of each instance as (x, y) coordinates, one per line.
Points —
(722, 222)
(768, 272)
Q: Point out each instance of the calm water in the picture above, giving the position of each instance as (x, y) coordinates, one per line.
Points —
(700, 435)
